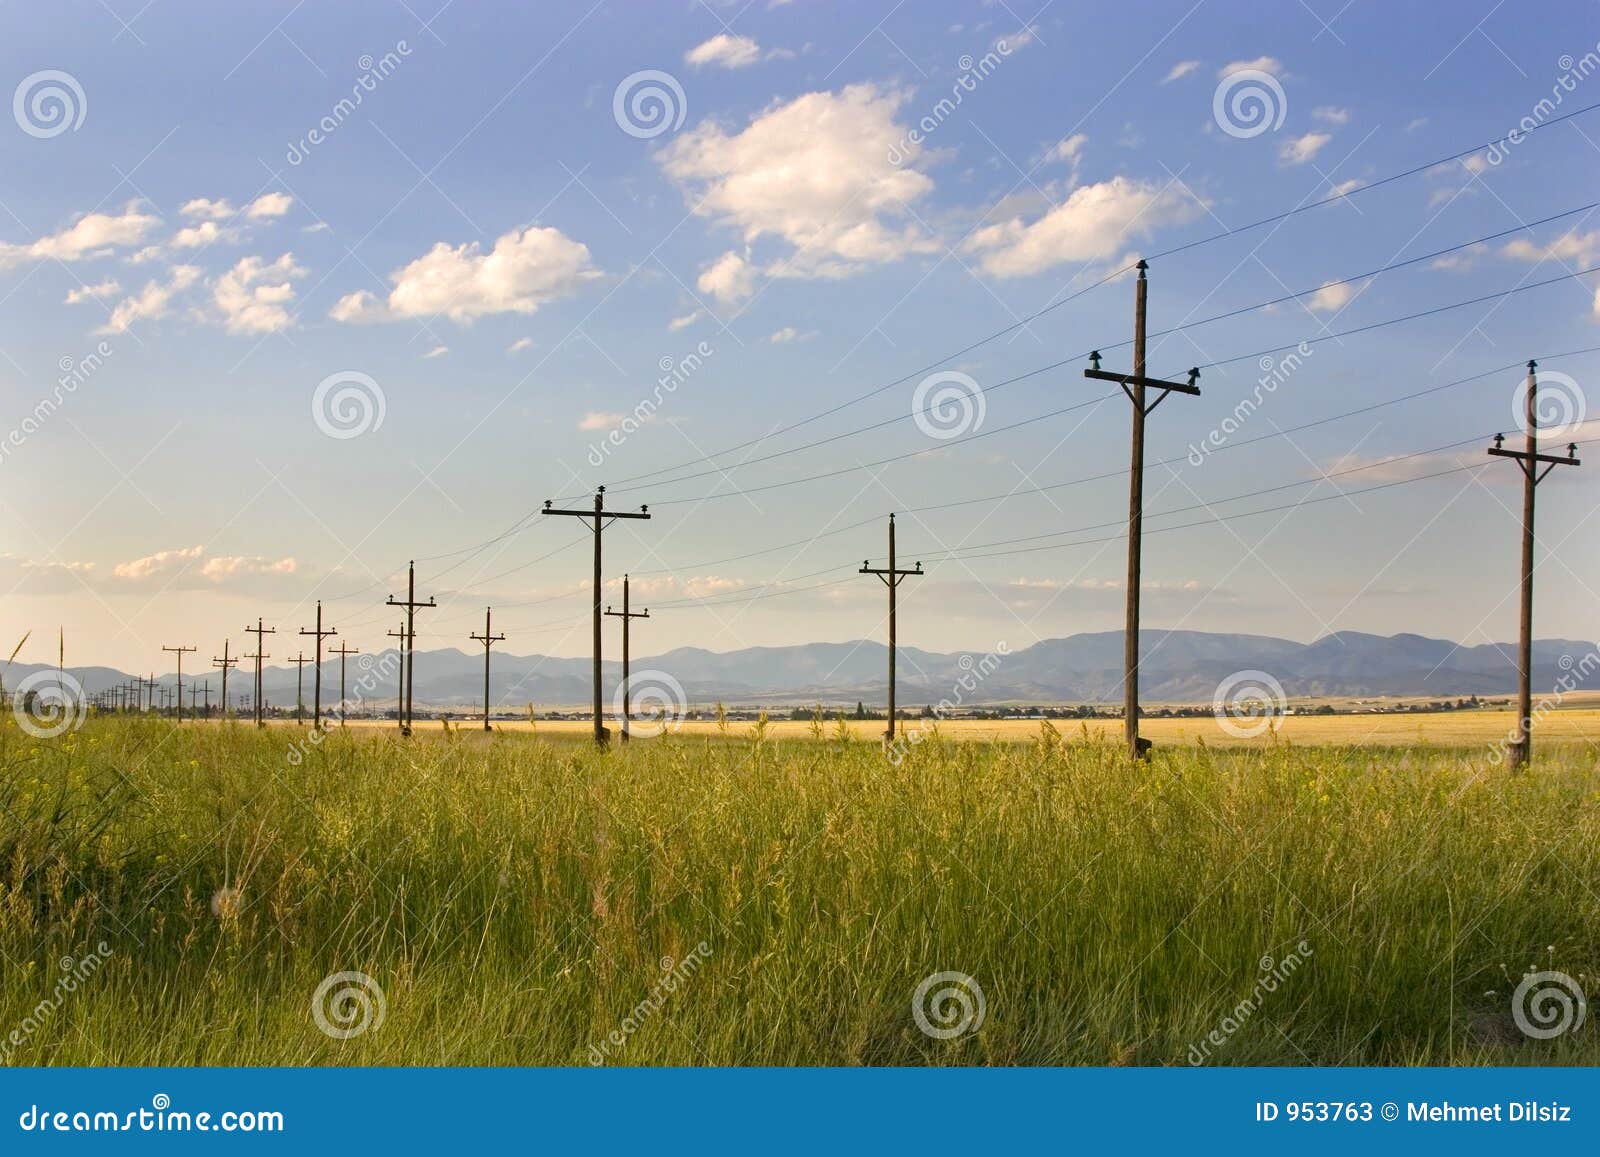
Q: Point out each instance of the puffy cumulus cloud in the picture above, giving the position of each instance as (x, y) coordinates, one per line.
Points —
(205, 209)
(1260, 64)
(268, 205)
(91, 235)
(264, 207)
(729, 278)
(1582, 248)
(1331, 297)
(725, 51)
(1094, 223)
(525, 269)
(229, 566)
(596, 420)
(1332, 114)
(814, 172)
(1068, 149)
(161, 563)
(254, 296)
(110, 287)
(203, 234)
(33, 576)
(151, 302)
(1300, 150)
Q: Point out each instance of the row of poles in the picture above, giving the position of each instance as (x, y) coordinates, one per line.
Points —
(1143, 392)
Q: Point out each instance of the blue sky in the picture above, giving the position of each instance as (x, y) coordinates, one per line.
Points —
(480, 242)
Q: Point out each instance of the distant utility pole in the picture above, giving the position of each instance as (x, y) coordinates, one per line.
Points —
(341, 650)
(1529, 459)
(225, 663)
(258, 630)
(400, 694)
(626, 616)
(892, 577)
(299, 662)
(1134, 385)
(599, 518)
(316, 718)
(409, 643)
(180, 651)
(488, 639)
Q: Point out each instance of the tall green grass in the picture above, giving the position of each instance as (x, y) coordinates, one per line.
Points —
(515, 897)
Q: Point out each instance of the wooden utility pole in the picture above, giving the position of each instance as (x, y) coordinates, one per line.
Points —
(1135, 385)
(316, 717)
(599, 518)
(892, 577)
(258, 630)
(409, 643)
(626, 615)
(341, 650)
(488, 639)
(299, 662)
(224, 663)
(400, 693)
(180, 651)
(1529, 459)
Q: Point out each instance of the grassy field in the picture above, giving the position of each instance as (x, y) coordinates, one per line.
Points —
(748, 899)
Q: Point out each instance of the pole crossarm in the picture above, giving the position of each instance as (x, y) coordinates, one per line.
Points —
(180, 651)
(316, 715)
(259, 631)
(409, 643)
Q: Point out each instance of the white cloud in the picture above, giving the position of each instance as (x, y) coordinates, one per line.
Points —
(1461, 260)
(268, 205)
(1093, 224)
(595, 420)
(1580, 248)
(1332, 114)
(1344, 187)
(1331, 298)
(162, 562)
(1180, 70)
(1068, 149)
(525, 269)
(787, 334)
(205, 209)
(437, 351)
(815, 173)
(264, 207)
(90, 235)
(106, 288)
(240, 565)
(153, 301)
(685, 321)
(203, 234)
(728, 278)
(254, 296)
(522, 343)
(1259, 64)
(725, 51)
(1299, 150)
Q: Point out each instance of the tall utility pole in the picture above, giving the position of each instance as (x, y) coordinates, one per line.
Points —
(206, 706)
(258, 630)
(488, 639)
(152, 686)
(224, 663)
(180, 651)
(626, 616)
(1529, 459)
(410, 641)
(316, 717)
(599, 518)
(1135, 385)
(342, 650)
(400, 693)
(299, 662)
(892, 577)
